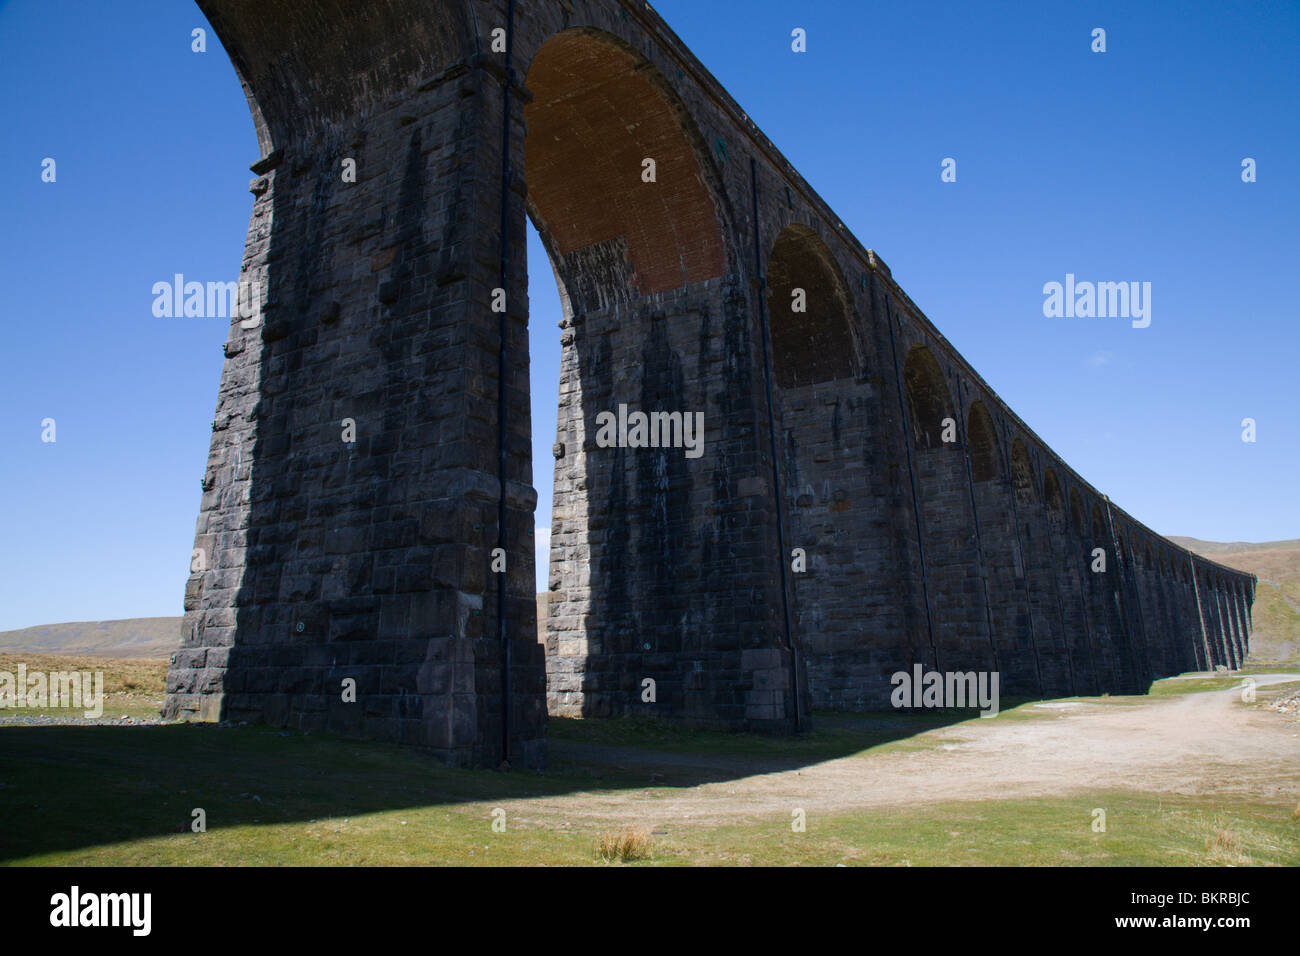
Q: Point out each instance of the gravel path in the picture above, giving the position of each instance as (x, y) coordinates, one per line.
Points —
(1200, 743)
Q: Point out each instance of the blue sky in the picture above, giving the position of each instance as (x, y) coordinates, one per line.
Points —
(1117, 166)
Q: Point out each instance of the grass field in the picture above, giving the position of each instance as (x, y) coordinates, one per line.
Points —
(106, 795)
(132, 687)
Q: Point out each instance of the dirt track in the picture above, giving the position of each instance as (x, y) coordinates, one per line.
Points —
(1200, 743)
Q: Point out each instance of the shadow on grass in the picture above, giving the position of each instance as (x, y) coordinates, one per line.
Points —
(70, 787)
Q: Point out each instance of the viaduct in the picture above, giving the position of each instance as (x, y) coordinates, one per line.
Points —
(826, 537)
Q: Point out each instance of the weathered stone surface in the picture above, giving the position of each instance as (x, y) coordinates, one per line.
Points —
(329, 561)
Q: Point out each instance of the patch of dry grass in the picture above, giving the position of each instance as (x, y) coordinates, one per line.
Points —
(625, 845)
(132, 686)
(1225, 846)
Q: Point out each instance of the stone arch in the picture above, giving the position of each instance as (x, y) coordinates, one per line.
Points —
(1077, 520)
(816, 344)
(297, 84)
(598, 110)
(1052, 494)
(928, 398)
(1098, 524)
(1022, 472)
(982, 440)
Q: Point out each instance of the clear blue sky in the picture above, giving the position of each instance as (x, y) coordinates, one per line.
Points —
(1116, 166)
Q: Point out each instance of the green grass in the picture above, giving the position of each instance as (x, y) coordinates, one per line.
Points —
(85, 795)
(1141, 830)
(115, 795)
(1193, 685)
(105, 795)
(73, 796)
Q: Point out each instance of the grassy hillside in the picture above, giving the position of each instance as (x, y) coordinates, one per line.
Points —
(133, 637)
(1276, 614)
(133, 687)
(1212, 548)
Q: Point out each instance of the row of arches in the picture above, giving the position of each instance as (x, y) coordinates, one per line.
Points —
(660, 557)
(654, 240)
(1074, 632)
(931, 409)
(1115, 609)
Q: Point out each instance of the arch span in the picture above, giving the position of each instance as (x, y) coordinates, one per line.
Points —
(929, 401)
(616, 227)
(811, 316)
(985, 453)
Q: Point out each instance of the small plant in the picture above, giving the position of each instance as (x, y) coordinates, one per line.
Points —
(1225, 845)
(626, 845)
(1223, 841)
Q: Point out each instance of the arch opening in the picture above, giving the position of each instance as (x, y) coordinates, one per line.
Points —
(1098, 525)
(1052, 495)
(929, 401)
(1022, 472)
(810, 314)
(982, 440)
(613, 231)
(1077, 521)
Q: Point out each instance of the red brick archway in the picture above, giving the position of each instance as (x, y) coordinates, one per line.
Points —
(598, 112)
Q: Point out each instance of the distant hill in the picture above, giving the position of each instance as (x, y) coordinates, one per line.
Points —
(1209, 548)
(1276, 614)
(134, 637)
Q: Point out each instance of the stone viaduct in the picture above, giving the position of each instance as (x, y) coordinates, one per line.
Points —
(319, 560)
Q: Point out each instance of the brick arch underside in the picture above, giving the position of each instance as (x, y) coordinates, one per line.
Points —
(814, 345)
(597, 114)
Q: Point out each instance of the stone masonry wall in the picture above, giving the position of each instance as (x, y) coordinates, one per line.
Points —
(372, 426)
